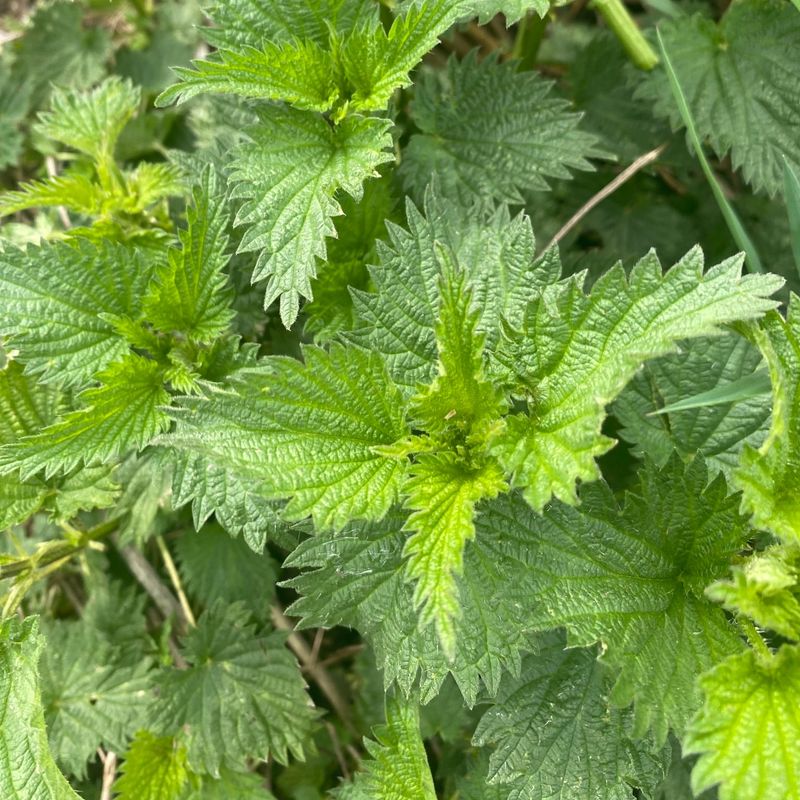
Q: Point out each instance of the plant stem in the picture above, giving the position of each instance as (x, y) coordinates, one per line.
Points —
(176, 581)
(753, 636)
(530, 34)
(620, 21)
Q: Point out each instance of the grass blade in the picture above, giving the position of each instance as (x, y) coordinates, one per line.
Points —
(791, 183)
(745, 388)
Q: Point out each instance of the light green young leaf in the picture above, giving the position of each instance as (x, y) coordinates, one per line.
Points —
(91, 122)
(308, 432)
(55, 301)
(73, 190)
(575, 353)
(768, 477)
(242, 695)
(748, 732)
(718, 432)
(122, 413)
(711, 60)
(190, 293)
(556, 736)
(287, 176)
(398, 766)
(491, 131)
(27, 768)
(154, 768)
(442, 492)
(632, 578)
(765, 587)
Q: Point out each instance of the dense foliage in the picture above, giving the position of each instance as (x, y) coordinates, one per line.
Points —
(400, 400)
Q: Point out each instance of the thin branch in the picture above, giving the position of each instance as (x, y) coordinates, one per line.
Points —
(337, 749)
(608, 189)
(176, 581)
(109, 760)
(52, 171)
(317, 673)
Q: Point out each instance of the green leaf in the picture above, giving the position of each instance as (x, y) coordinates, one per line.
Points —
(737, 80)
(121, 414)
(91, 697)
(791, 192)
(705, 365)
(556, 736)
(358, 578)
(73, 190)
(238, 785)
(190, 293)
(309, 432)
(287, 176)
(242, 695)
(756, 384)
(442, 493)
(765, 587)
(632, 578)
(398, 765)
(91, 122)
(491, 131)
(154, 769)
(495, 252)
(27, 768)
(512, 10)
(768, 476)
(748, 732)
(575, 352)
(55, 303)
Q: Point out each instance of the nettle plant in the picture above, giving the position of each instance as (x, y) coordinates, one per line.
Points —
(306, 360)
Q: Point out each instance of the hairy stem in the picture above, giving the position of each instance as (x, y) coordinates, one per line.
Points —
(176, 581)
(753, 636)
(620, 21)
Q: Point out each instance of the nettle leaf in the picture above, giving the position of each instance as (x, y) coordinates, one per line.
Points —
(239, 785)
(287, 176)
(748, 732)
(768, 476)
(242, 695)
(190, 292)
(491, 131)
(574, 353)
(398, 765)
(73, 190)
(512, 10)
(632, 578)
(717, 431)
(765, 587)
(357, 578)
(155, 768)
(737, 80)
(556, 736)
(91, 696)
(27, 768)
(56, 304)
(494, 252)
(309, 431)
(122, 413)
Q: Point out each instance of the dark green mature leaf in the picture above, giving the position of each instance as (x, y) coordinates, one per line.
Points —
(748, 732)
(557, 737)
(738, 81)
(632, 578)
(122, 413)
(490, 131)
(718, 432)
(357, 578)
(575, 352)
(27, 768)
(242, 695)
(56, 300)
(287, 176)
(309, 432)
(768, 476)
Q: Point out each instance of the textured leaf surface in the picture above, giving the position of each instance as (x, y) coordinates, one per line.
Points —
(737, 80)
(633, 579)
(768, 477)
(718, 432)
(490, 131)
(123, 413)
(748, 732)
(287, 176)
(309, 431)
(27, 769)
(241, 697)
(54, 301)
(556, 736)
(398, 765)
(575, 352)
(154, 769)
(190, 292)
(239, 785)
